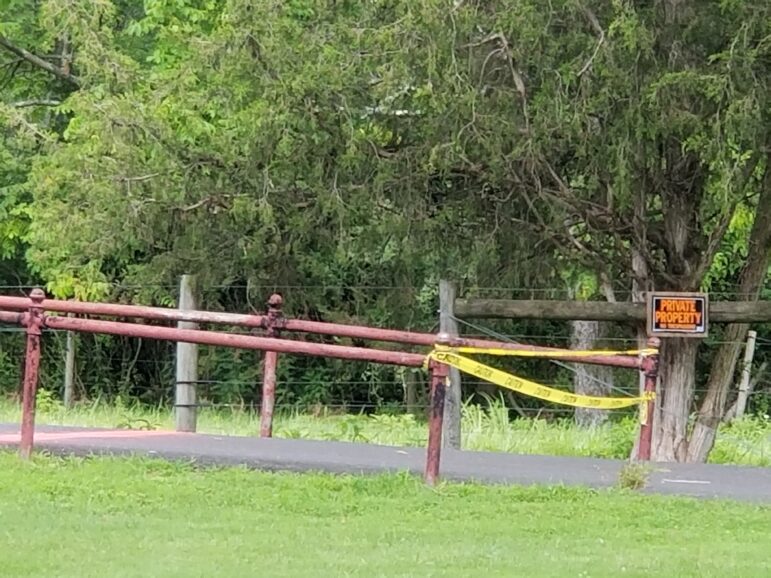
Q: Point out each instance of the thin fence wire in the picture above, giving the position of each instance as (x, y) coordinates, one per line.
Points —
(762, 343)
(208, 383)
(380, 408)
(505, 338)
(520, 338)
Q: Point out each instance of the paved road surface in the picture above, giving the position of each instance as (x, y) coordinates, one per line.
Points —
(698, 480)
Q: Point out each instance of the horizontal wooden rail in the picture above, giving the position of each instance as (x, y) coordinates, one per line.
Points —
(719, 311)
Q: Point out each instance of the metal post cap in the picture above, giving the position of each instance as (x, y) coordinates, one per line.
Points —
(37, 295)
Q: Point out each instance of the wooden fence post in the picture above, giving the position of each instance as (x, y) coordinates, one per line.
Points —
(69, 370)
(744, 384)
(185, 404)
(410, 381)
(451, 435)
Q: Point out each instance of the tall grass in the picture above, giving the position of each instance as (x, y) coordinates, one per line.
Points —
(489, 428)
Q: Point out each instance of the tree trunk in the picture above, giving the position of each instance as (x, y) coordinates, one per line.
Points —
(713, 407)
(724, 365)
(677, 367)
(589, 380)
(676, 372)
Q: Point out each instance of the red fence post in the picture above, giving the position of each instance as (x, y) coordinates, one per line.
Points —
(439, 373)
(33, 320)
(650, 366)
(273, 323)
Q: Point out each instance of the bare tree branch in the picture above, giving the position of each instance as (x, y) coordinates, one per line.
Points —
(600, 33)
(39, 62)
(12, 63)
(563, 240)
(717, 234)
(39, 102)
(607, 287)
(140, 178)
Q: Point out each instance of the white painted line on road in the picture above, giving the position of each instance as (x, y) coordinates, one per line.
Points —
(665, 480)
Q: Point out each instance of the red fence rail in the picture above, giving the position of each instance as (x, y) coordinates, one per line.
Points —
(235, 340)
(295, 325)
(31, 313)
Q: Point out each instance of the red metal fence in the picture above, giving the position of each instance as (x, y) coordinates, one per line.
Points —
(33, 314)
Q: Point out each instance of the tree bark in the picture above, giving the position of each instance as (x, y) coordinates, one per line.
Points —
(724, 365)
(589, 380)
(676, 370)
(39, 62)
(677, 367)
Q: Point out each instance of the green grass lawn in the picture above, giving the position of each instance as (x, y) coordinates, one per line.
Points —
(141, 518)
(110, 517)
(747, 441)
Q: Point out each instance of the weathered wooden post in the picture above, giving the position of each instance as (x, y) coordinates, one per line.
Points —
(69, 370)
(185, 404)
(744, 384)
(448, 326)
(270, 363)
(33, 321)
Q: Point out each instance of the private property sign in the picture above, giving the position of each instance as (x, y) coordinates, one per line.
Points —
(677, 314)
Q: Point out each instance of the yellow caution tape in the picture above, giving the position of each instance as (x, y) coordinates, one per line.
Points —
(644, 410)
(557, 353)
(532, 388)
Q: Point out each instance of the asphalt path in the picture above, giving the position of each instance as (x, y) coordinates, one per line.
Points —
(696, 480)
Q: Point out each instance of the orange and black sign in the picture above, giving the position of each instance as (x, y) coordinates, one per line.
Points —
(677, 314)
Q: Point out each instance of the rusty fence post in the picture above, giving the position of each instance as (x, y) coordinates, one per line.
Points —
(439, 374)
(274, 321)
(650, 367)
(33, 320)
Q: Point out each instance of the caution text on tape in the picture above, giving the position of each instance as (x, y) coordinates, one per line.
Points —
(532, 388)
